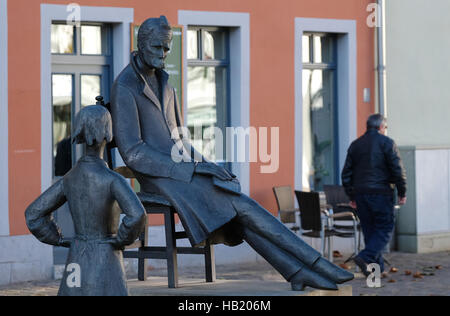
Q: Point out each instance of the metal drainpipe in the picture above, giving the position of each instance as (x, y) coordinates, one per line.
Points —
(381, 32)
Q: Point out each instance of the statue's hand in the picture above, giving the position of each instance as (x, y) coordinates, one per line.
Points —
(232, 174)
(65, 243)
(115, 243)
(211, 169)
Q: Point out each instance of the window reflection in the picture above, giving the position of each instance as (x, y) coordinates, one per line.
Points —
(91, 40)
(90, 89)
(62, 39)
(306, 53)
(62, 119)
(214, 45)
(192, 40)
(207, 113)
(207, 108)
(323, 49)
(318, 128)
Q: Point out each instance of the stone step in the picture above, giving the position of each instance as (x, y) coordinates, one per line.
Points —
(157, 286)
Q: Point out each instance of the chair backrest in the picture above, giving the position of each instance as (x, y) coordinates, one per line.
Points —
(285, 201)
(335, 195)
(310, 212)
(110, 146)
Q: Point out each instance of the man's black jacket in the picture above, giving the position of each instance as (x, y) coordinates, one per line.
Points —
(373, 163)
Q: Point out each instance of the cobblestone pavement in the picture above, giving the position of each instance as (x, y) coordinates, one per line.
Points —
(429, 276)
(418, 275)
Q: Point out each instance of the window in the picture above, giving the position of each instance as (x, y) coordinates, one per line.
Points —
(320, 136)
(81, 71)
(62, 39)
(208, 96)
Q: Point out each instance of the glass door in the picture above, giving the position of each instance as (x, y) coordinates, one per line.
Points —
(320, 130)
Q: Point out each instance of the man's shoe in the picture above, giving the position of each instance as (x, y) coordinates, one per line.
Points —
(362, 265)
(332, 272)
(305, 277)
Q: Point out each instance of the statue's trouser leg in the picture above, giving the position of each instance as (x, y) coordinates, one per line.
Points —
(285, 263)
(260, 221)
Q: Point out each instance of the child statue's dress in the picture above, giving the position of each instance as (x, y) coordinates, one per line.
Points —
(91, 189)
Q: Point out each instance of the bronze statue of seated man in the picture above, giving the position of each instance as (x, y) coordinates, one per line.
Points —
(146, 122)
(91, 189)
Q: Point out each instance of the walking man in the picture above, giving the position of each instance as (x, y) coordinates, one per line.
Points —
(372, 168)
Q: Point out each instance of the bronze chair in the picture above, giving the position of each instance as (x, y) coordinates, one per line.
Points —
(155, 204)
(287, 213)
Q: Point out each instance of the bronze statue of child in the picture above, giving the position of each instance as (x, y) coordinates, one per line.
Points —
(95, 262)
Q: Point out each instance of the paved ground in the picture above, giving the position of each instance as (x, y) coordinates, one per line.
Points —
(430, 276)
(418, 275)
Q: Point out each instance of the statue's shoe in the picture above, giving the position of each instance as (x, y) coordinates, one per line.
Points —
(306, 277)
(332, 272)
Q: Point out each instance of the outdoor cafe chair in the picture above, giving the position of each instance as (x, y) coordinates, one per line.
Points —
(318, 222)
(288, 214)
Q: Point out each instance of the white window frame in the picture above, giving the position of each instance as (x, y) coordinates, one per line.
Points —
(239, 25)
(4, 146)
(347, 85)
(121, 19)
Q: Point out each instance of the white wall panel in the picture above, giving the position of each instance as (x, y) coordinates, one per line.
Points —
(432, 174)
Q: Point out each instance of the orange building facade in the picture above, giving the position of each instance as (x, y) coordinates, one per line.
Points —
(267, 68)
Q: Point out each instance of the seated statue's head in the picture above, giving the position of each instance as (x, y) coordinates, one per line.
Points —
(93, 126)
(154, 41)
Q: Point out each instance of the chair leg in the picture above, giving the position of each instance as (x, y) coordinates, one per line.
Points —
(322, 238)
(210, 263)
(330, 249)
(355, 232)
(357, 245)
(171, 249)
(142, 262)
(359, 240)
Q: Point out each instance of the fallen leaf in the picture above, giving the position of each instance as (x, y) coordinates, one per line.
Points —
(392, 281)
(428, 271)
(345, 266)
(407, 272)
(394, 270)
(384, 275)
(418, 275)
(337, 254)
(439, 267)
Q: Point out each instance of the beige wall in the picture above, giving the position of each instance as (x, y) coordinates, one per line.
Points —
(418, 71)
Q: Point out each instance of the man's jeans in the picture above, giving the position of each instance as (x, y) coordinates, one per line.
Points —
(376, 213)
